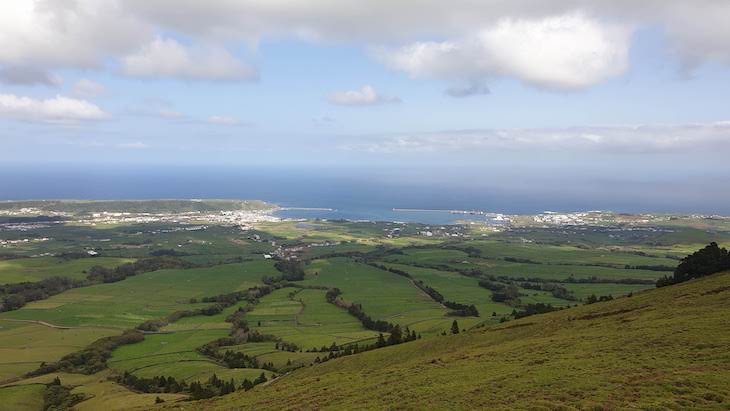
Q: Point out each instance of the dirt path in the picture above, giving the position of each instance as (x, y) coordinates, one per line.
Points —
(62, 327)
(43, 323)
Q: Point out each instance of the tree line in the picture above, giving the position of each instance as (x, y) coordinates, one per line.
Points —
(91, 359)
(197, 390)
(59, 397)
(15, 296)
(502, 293)
(533, 309)
(99, 274)
(709, 260)
(396, 336)
(94, 357)
(556, 290)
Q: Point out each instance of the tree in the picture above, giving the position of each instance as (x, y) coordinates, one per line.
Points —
(260, 379)
(246, 384)
(395, 336)
(454, 327)
(709, 260)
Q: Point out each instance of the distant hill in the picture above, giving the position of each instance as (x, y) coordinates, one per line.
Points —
(667, 348)
(136, 206)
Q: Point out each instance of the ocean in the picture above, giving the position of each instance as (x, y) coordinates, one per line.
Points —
(356, 193)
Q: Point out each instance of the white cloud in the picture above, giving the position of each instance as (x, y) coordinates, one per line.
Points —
(53, 110)
(565, 52)
(366, 96)
(517, 38)
(28, 76)
(78, 33)
(168, 58)
(88, 88)
(645, 139)
(223, 120)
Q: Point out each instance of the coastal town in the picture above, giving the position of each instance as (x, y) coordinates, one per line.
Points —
(31, 218)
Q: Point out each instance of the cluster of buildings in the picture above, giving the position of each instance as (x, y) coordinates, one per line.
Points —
(453, 231)
(11, 243)
(242, 218)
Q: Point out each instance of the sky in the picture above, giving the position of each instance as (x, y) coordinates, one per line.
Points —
(620, 90)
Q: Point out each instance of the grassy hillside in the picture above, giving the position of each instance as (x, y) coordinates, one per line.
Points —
(665, 348)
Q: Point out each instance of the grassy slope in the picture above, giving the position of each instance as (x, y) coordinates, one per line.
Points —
(100, 393)
(664, 348)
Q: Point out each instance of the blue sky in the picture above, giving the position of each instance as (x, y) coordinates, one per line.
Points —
(577, 87)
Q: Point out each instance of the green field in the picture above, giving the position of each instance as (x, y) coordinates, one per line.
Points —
(22, 397)
(555, 270)
(36, 269)
(383, 295)
(107, 309)
(266, 352)
(564, 254)
(306, 319)
(24, 345)
(540, 362)
(99, 392)
(127, 303)
(661, 349)
(174, 355)
(456, 287)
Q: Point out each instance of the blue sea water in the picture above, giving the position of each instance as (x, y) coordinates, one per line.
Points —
(355, 194)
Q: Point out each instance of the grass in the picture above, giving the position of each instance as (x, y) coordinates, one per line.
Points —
(174, 355)
(564, 254)
(100, 393)
(584, 290)
(36, 269)
(555, 270)
(363, 233)
(383, 295)
(107, 309)
(266, 352)
(23, 346)
(494, 367)
(316, 252)
(660, 349)
(305, 318)
(22, 397)
(109, 395)
(127, 303)
(459, 288)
